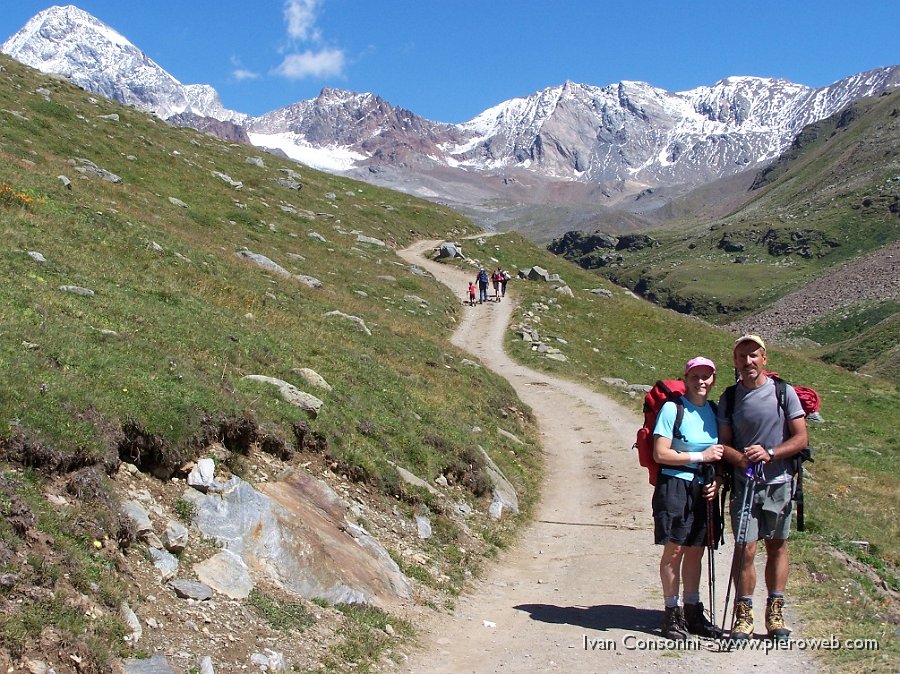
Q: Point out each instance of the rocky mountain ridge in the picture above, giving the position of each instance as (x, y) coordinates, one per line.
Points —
(616, 141)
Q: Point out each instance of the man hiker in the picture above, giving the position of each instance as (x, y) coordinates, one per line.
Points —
(681, 496)
(482, 280)
(761, 441)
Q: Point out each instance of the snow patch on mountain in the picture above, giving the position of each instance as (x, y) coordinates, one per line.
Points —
(333, 159)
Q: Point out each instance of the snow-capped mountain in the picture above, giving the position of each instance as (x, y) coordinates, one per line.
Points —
(614, 141)
(70, 42)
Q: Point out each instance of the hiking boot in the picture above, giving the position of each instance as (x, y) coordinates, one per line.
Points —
(696, 622)
(775, 618)
(743, 621)
(673, 624)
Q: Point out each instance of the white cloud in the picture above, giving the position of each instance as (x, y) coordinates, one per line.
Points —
(242, 74)
(300, 17)
(324, 63)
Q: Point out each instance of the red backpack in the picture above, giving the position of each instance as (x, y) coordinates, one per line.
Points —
(663, 391)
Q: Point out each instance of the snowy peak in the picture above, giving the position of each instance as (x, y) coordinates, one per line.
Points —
(67, 41)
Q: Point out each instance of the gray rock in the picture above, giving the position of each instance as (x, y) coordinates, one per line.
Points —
(602, 292)
(418, 271)
(296, 533)
(206, 663)
(262, 261)
(226, 178)
(177, 202)
(113, 117)
(131, 622)
(360, 324)
(511, 436)
(313, 378)
(423, 527)
(203, 474)
(135, 512)
(158, 664)
(362, 238)
(65, 182)
(317, 237)
(77, 290)
(269, 661)
(175, 537)
(37, 257)
(89, 167)
(449, 250)
(290, 394)
(256, 161)
(189, 589)
(504, 494)
(414, 480)
(226, 573)
(165, 562)
(566, 291)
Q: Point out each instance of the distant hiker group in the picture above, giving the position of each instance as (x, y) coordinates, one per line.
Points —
(498, 279)
(752, 444)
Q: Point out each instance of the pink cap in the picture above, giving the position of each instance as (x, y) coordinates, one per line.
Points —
(699, 361)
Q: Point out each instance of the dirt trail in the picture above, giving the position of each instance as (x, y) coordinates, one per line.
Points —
(579, 591)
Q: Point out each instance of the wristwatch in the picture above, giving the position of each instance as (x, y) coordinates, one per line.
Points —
(771, 453)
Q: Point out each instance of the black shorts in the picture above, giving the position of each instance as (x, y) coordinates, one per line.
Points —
(679, 512)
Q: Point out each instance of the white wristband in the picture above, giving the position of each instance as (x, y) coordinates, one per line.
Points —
(696, 457)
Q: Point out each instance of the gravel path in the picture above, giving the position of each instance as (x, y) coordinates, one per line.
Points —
(579, 591)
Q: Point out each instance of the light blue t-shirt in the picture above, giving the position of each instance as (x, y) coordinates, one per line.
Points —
(698, 426)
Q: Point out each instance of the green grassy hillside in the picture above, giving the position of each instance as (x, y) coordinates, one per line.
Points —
(146, 362)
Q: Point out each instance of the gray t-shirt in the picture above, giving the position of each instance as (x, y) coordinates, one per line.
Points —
(759, 420)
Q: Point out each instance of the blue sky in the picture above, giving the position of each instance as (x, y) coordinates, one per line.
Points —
(449, 60)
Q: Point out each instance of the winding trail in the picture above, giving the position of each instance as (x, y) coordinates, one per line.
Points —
(579, 591)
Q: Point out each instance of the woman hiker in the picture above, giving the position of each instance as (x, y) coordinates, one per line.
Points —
(680, 499)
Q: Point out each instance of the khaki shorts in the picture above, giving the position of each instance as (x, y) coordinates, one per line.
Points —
(769, 514)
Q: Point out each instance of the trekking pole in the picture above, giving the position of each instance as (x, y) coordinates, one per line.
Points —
(742, 537)
(710, 475)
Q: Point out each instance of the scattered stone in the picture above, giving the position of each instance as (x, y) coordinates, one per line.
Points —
(175, 537)
(313, 378)
(165, 562)
(449, 250)
(37, 257)
(268, 661)
(131, 622)
(360, 324)
(226, 178)
(135, 512)
(226, 573)
(158, 664)
(177, 202)
(89, 167)
(206, 663)
(362, 238)
(203, 474)
(291, 394)
(511, 436)
(256, 161)
(77, 290)
(189, 589)
(65, 182)
(423, 527)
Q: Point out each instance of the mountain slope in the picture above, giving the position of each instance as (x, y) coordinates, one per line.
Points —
(620, 140)
(832, 197)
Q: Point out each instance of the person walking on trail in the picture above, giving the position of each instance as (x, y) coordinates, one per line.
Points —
(482, 280)
(762, 435)
(680, 498)
(496, 279)
(504, 279)
(471, 294)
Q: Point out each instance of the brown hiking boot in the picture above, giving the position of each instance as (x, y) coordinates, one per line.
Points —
(696, 622)
(775, 618)
(673, 624)
(743, 621)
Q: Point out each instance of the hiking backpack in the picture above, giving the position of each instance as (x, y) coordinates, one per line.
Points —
(665, 390)
(810, 402)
